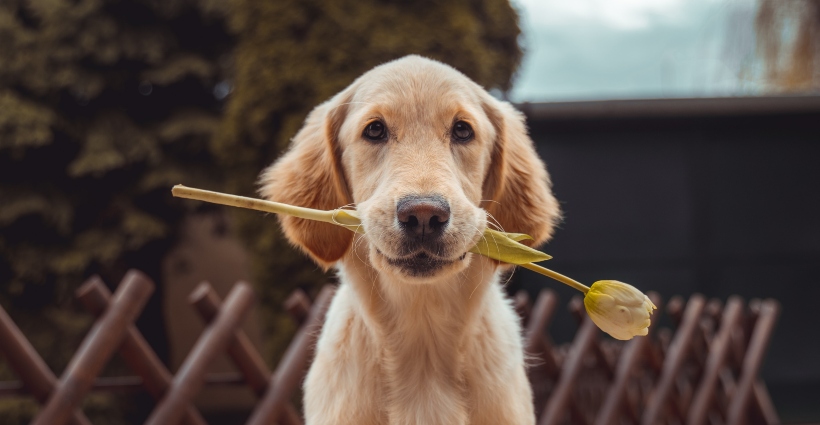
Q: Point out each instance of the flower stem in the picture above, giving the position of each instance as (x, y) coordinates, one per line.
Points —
(557, 276)
(345, 218)
(181, 191)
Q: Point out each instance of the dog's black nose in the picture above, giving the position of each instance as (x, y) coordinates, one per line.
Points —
(423, 216)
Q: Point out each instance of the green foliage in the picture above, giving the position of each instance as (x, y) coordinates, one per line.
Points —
(104, 105)
(293, 55)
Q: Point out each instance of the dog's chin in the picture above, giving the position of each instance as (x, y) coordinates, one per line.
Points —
(422, 267)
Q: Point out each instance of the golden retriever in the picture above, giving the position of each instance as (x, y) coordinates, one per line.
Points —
(419, 331)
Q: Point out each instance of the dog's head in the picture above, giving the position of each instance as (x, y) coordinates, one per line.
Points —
(427, 157)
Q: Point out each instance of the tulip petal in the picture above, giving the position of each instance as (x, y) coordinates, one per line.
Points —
(619, 309)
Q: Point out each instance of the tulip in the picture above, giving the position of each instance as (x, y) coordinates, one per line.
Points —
(617, 308)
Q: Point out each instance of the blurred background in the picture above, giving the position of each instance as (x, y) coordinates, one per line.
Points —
(682, 137)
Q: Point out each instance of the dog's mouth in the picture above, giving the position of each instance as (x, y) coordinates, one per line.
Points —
(421, 264)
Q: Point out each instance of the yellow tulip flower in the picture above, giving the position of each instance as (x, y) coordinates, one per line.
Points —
(619, 309)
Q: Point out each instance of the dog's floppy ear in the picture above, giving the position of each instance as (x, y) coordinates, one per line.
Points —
(517, 189)
(310, 175)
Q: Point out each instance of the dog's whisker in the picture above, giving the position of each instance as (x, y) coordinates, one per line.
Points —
(510, 276)
(494, 221)
(351, 205)
(357, 241)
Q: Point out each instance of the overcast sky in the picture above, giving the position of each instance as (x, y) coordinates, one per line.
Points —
(605, 49)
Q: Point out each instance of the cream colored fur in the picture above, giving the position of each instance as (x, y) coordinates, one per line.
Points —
(398, 349)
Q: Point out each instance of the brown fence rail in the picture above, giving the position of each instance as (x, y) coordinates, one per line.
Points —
(704, 372)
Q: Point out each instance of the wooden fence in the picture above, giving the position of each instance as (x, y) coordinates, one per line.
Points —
(703, 372)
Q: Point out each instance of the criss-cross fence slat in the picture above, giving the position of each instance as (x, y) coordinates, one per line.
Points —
(114, 331)
(676, 355)
(213, 341)
(241, 350)
(292, 368)
(758, 343)
(29, 366)
(96, 349)
(134, 350)
(715, 362)
(705, 371)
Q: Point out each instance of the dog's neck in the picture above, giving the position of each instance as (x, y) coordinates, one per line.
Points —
(423, 329)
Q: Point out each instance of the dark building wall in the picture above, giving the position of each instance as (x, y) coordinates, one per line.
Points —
(717, 196)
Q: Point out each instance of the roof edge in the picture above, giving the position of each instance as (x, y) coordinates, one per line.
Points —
(672, 107)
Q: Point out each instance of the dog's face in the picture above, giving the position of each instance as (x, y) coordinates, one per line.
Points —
(427, 157)
(416, 148)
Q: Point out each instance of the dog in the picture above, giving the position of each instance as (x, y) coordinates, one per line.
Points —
(419, 331)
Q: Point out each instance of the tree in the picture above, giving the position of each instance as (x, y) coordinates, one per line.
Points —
(103, 106)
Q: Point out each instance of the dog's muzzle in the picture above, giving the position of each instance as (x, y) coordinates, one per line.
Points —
(423, 220)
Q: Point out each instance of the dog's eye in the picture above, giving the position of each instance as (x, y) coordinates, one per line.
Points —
(462, 132)
(375, 132)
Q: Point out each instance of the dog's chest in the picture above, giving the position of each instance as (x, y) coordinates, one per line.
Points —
(431, 363)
